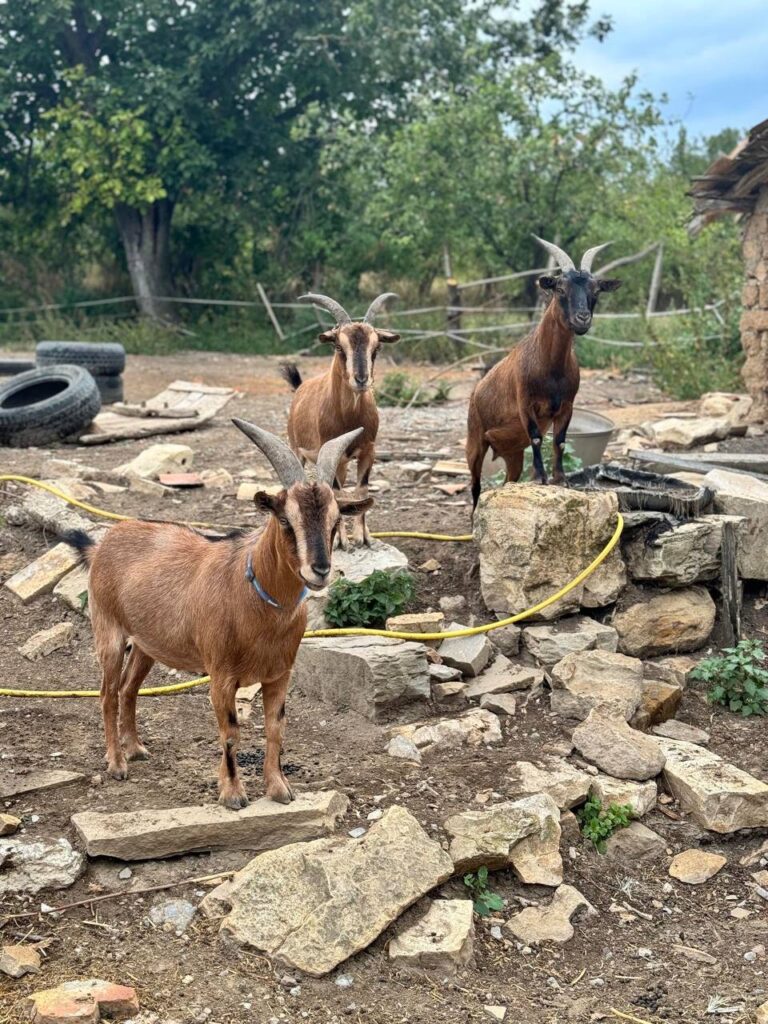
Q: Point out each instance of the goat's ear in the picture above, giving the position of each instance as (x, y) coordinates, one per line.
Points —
(547, 282)
(328, 336)
(609, 285)
(354, 506)
(387, 336)
(271, 503)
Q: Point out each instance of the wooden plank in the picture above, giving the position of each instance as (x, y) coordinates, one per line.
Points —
(664, 461)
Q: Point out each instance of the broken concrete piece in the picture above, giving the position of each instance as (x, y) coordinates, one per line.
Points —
(263, 825)
(634, 845)
(491, 838)
(16, 961)
(370, 675)
(469, 654)
(667, 623)
(53, 514)
(549, 644)
(42, 575)
(157, 459)
(559, 779)
(717, 795)
(696, 866)
(441, 941)
(33, 782)
(82, 1002)
(47, 641)
(586, 680)
(504, 677)
(640, 796)
(29, 867)
(553, 923)
(474, 727)
(617, 749)
(313, 905)
(677, 730)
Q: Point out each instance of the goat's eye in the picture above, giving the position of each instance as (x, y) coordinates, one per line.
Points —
(283, 520)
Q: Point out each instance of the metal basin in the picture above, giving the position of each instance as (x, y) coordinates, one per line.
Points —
(589, 434)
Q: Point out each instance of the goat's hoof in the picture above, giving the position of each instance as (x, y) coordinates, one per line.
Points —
(118, 770)
(234, 801)
(137, 753)
(280, 792)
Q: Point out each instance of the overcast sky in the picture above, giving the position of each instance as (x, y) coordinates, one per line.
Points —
(710, 57)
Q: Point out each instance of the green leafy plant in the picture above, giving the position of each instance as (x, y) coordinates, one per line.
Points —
(598, 823)
(738, 678)
(483, 899)
(370, 602)
(400, 389)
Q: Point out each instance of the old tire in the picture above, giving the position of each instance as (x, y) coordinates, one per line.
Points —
(9, 367)
(110, 388)
(41, 406)
(101, 358)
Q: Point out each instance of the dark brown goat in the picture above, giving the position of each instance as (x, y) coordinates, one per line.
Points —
(231, 607)
(342, 398)
(534, 387)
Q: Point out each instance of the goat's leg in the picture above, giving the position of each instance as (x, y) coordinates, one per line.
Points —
(231, 790)
(341, 477)
(537, 436)
(110, 650)
(514, 464)
(273, 697)
(476, 447)
(560, 426)
(365, 459)
(135, 672)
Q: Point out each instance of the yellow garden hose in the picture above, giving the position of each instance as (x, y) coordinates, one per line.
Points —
(314, 633)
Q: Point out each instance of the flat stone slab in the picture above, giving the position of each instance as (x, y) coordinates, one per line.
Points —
(719, 796)
(46, 641)
(677, 730)
(695, 867)
(617, 749)
(552, 923)
(550, 643)
(567, 785)
(263, 825)
(640, 796)
(469, 654)
(441, 941)
(596, 679)
(42, 575)
(504, 677)
(16, 785)
(313, 905)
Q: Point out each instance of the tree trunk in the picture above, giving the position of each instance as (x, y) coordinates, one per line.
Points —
(145, 236)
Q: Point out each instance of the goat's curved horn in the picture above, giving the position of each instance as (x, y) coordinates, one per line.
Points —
(337, 311)
(330, 454)
(564, 261)
(589, 255)
(284, 462)
(377, 305)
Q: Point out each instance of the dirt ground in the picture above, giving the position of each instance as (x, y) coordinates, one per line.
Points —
(627, 959)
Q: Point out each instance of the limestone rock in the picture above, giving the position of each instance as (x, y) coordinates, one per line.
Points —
(723, 404)
(418, 622)
(46, 641)
(523, 834)
(72, 590)
(441, 941)
(640, 796)
(312, 905)
(29, 867)
(469, 654)
(401, 746)
(659, 703)
(675, 432)
(53, 514)
(9, 824)
(676, 730)
(551, 643)
(507, 640)
(717, 795)
(696, 866)
(685, 554)
(680, 620)
(600, 679)
(499, 703)
(617, 749)
(42, 575)
(504, 677)
(16, 961)
(470, 729)
(761, 1014)
(263, 825)
(674, 669)
(739, 494)
(443, 674)
(82, 1002)
(635, 844)
(553, 923)
(533, 540)
(34, 782)
(559, 779)
(356, 565)
(370, 675)
(157, 459)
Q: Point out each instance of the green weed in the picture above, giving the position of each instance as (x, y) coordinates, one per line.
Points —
(370, 602)
(738, 678)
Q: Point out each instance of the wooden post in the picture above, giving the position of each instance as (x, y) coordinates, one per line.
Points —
(729, 626)
(453, 313)
(270, 311)
(653, 292)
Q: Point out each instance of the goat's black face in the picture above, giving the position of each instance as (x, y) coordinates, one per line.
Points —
(576, 291)
(358, 344)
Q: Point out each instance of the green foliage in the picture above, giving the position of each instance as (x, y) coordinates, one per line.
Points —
(370, 602)
(400, 389)
(571, 461)
(599, 823)
(738, 678)
(483, 899)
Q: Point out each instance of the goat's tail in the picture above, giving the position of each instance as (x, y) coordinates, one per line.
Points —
(290, 373)
(82, 543)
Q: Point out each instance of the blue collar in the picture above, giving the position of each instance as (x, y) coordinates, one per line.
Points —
(249, 575)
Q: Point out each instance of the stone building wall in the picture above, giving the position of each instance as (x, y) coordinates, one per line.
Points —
(754, 319)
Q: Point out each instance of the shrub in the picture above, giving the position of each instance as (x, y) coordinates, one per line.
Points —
(483, 899)
(370, 602)
(399, 389)
(599, 823)
(738, 678)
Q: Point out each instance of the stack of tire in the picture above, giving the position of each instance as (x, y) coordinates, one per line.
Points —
(105, 361)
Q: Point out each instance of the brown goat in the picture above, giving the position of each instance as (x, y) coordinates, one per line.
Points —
(534, 387)
(341, 399)
(231, 607)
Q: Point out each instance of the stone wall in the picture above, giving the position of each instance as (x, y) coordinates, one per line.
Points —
(754, 319)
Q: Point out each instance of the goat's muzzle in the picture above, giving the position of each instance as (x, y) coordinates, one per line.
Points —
(581, 323)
